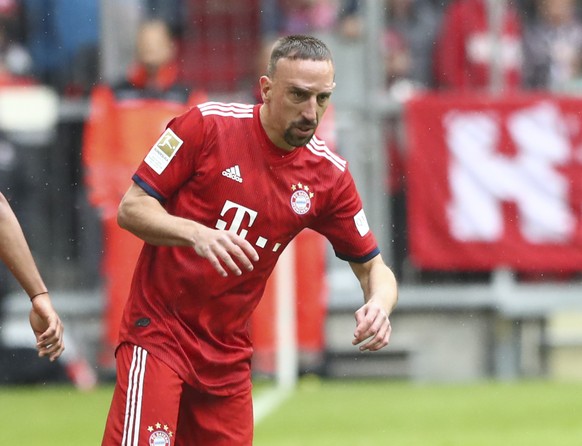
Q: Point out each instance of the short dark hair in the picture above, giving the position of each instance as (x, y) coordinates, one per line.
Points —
(297, 47)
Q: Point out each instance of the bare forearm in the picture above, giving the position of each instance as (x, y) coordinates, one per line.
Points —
(381, 286)
(378, 283)
(15, 252)
(147, 219)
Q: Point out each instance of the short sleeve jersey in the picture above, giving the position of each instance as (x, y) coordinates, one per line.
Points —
(215, 165)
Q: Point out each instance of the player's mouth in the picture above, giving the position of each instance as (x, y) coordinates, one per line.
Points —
(305, 127)
(304, 131)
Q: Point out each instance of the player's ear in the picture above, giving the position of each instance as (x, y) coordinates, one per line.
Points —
(265, 85)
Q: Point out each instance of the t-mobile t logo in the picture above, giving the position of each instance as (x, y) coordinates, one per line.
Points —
(240, 212)
(237, 221)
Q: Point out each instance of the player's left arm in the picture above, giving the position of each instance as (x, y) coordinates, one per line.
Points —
(380, 289)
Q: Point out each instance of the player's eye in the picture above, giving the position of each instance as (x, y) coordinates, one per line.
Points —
(322, 99)
(298, 95)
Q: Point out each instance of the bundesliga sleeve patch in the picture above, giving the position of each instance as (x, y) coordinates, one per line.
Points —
(163, 151)
(361, 223)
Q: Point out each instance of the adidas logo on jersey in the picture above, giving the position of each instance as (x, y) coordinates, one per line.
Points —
(233, 173)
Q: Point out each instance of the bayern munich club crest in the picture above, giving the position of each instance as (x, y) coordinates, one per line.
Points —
(160, 435)
(301, 198)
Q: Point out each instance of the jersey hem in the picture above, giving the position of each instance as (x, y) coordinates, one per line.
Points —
(147, 188)
(362, 259)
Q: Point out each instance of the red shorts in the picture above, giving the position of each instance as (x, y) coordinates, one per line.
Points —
(152, 406)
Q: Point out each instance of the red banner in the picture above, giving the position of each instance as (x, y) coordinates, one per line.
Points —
(495, 181)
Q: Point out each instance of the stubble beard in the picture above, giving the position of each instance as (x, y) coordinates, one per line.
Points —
(294, 140)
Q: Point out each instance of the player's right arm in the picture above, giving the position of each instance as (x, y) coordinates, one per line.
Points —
(145, 217)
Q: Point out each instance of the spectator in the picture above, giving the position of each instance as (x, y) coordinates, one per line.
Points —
(409, 42)
(124, 118)
(299, 17)
(410, 27)
(120, 24)
(63, 38)
(15, 60)
(407, 45)
(350, 23)
(170, 11)
(155, 71)
(466, 52)
(309, 16)
(552, 44)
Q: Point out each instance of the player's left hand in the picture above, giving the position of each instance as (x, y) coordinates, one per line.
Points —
(47, 327)
(373, 327)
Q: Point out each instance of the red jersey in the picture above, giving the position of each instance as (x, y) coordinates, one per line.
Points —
(215, 165)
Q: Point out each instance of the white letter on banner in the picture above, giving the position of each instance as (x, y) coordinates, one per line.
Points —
(481, 179)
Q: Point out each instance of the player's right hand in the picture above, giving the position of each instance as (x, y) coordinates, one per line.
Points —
(222, 248)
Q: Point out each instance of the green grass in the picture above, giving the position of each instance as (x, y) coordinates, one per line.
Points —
(53, 415)
(348, 413)
(337, 413)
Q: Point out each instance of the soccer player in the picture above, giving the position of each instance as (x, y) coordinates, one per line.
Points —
(15, 253)
(217, 199)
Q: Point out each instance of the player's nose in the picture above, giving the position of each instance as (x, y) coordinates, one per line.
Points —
(309, 112)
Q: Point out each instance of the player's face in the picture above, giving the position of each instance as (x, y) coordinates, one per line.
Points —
(296, 98)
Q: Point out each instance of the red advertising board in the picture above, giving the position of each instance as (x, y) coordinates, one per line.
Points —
(495, 181)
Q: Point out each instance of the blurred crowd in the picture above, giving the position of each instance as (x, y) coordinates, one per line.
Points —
(437, 44)
(440, 44)
(107, 52)
(185, 50)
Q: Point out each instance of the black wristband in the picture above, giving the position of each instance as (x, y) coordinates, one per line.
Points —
(37, 294)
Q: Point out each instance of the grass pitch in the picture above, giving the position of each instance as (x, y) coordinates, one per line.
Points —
(403, 414)
(337, 413)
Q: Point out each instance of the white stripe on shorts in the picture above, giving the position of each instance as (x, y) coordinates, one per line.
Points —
(134, 397)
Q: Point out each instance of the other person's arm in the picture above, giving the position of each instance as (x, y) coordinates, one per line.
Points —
(15, 253)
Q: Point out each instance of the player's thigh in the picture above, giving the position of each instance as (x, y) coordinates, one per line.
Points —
(212, 420)
(146, 400)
